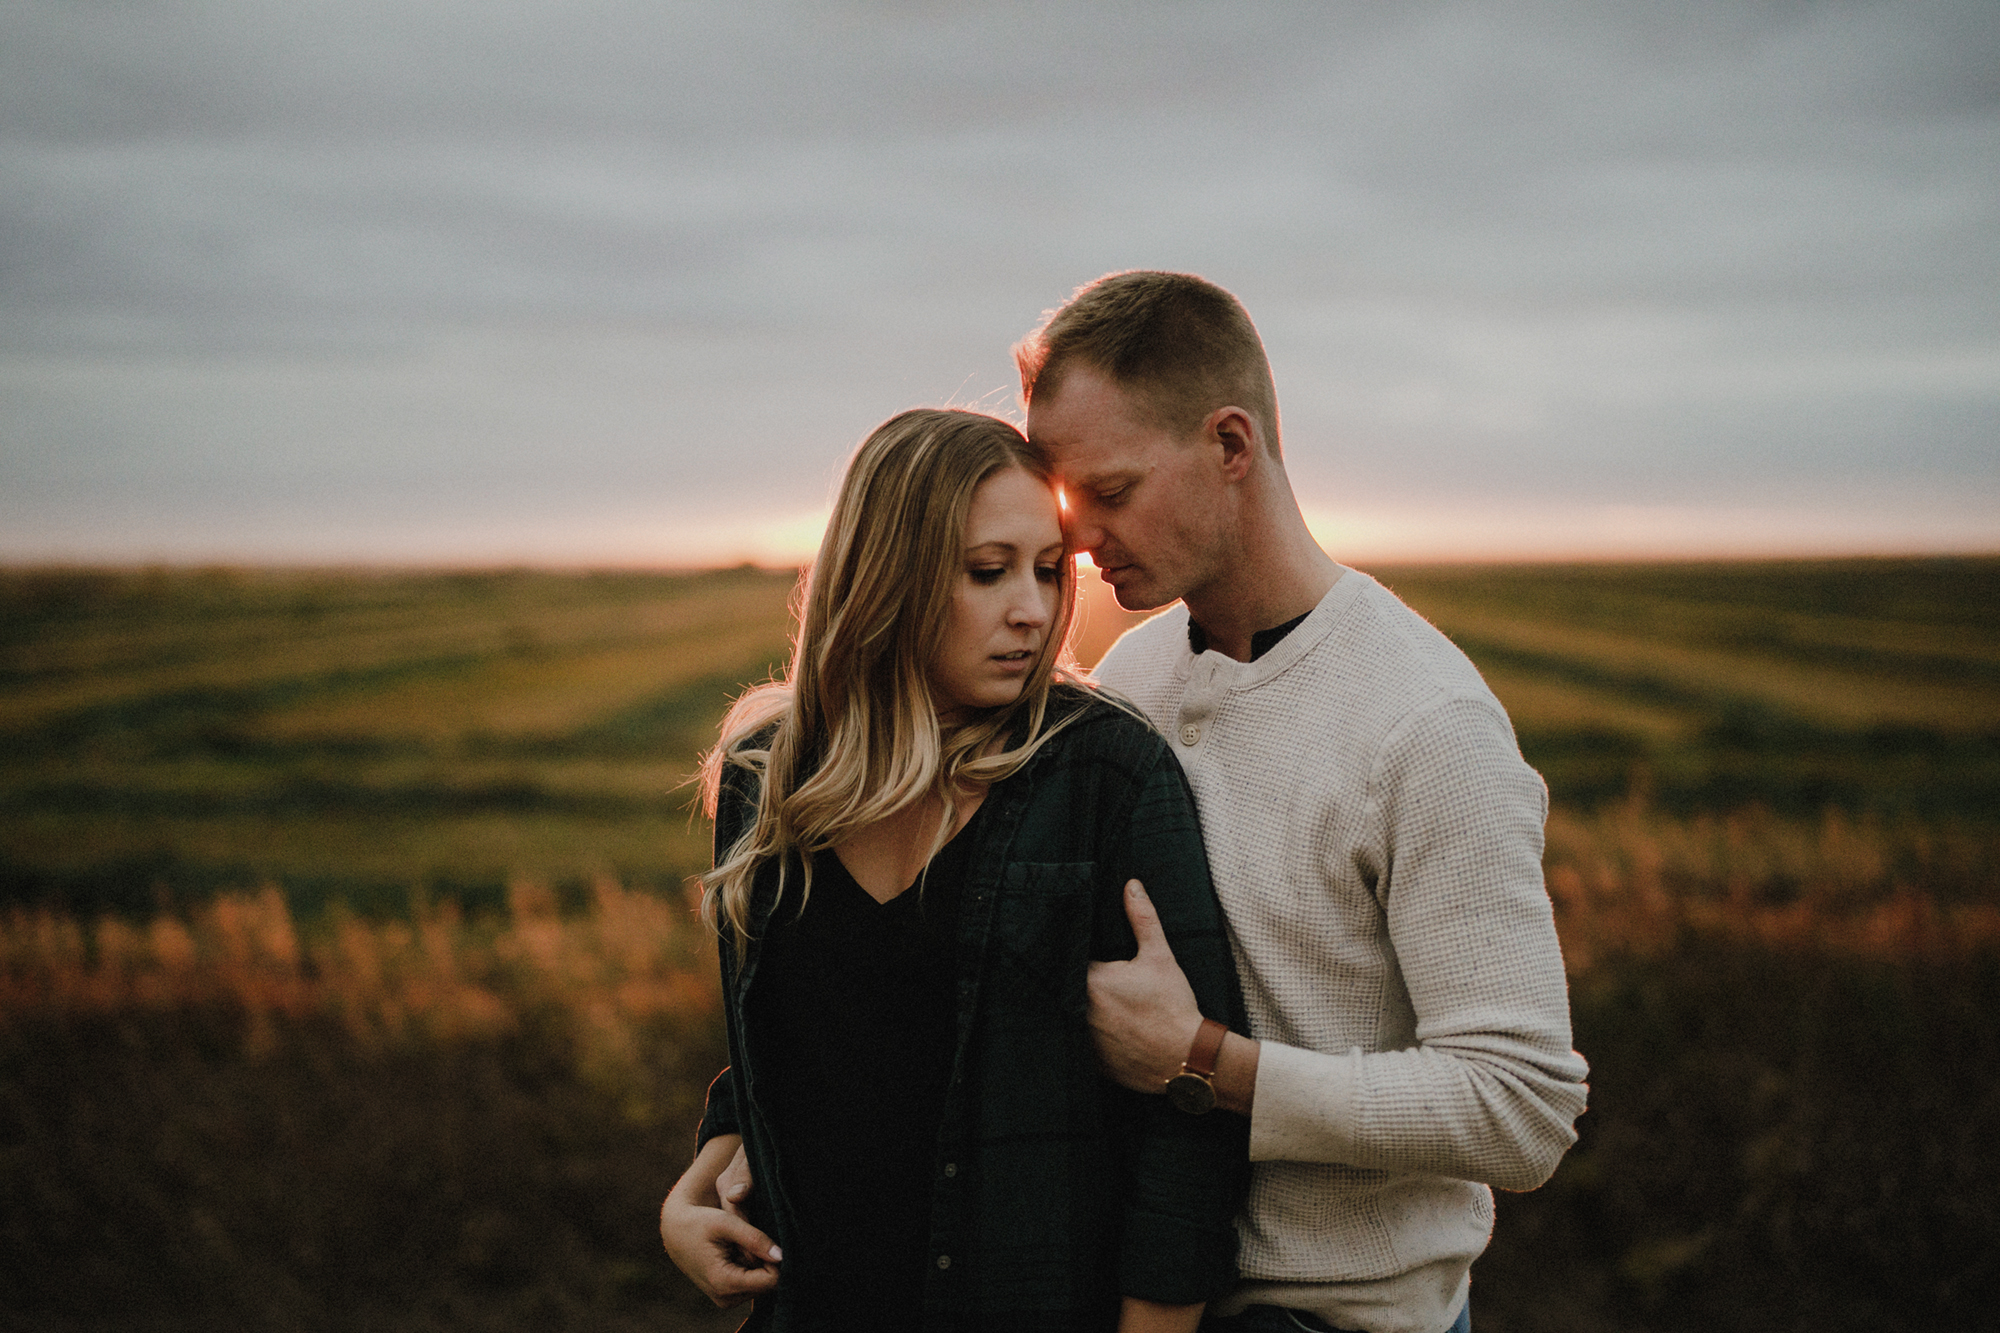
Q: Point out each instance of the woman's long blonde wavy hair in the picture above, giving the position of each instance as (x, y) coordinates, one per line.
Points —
(857, 733)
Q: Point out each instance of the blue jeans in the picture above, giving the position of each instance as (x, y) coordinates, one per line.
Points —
(1277, 1319)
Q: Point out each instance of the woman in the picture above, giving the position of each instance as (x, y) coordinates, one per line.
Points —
(922, 839)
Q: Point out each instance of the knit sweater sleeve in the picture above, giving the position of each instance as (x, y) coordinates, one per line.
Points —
(1490, 1089)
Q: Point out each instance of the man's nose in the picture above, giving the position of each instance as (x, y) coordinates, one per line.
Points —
(1085, 535)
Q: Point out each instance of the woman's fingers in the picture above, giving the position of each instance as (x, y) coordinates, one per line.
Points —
(734, 1184)
(727, 1258)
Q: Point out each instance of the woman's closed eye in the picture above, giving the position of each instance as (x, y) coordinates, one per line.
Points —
(1048, 573)
(988, 574)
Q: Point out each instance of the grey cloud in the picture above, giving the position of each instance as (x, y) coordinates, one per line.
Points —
(1553, 245)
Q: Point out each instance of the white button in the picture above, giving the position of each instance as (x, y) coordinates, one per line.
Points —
(944, 1261)
(1190, 733)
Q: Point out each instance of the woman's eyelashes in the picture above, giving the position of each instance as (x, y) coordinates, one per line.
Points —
(988, 575)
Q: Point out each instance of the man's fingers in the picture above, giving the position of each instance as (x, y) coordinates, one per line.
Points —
(1145, 921)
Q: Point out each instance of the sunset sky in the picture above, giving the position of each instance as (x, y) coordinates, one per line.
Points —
(623, 282)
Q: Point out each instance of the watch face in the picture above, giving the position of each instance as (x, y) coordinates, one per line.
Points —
(1191, 1093)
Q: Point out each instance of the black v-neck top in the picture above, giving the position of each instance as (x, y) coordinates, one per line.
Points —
(856, 1003)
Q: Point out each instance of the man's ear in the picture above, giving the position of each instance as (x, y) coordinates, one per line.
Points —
(1234, 431)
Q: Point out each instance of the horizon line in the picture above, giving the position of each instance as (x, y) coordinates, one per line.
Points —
(11, 565)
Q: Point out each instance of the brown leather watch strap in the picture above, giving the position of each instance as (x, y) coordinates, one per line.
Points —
(1207, 1046)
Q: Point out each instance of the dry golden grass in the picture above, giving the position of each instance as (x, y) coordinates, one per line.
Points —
(1625, 882)
(630, 960)
(387, 851)
(1629, 881)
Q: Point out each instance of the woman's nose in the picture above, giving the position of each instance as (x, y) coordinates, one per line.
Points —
(1029, 607)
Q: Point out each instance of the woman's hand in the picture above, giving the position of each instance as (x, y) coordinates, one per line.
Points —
(730, 1260)
(734, 1184)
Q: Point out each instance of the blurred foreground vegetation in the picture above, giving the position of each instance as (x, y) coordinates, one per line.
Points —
(347, 978)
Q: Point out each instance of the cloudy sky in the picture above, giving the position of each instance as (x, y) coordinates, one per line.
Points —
(624, 281)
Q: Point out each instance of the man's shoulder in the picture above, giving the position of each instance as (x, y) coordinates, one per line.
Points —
(1145, 652)
(1398, 654)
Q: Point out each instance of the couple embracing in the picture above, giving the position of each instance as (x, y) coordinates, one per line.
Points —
(1213, 991)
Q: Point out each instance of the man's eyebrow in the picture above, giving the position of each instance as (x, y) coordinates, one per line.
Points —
(1097, 481)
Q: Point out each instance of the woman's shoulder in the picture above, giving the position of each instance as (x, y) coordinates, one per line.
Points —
(1092, 720)
(740, 779)
(753, 740)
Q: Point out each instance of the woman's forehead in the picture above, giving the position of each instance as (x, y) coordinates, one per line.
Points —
(1015, 508)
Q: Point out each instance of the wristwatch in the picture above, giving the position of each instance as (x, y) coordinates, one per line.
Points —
(1193, 1089)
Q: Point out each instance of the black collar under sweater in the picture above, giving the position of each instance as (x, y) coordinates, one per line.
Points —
(1263, 641)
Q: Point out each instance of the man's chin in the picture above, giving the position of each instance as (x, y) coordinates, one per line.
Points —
(1138, 596)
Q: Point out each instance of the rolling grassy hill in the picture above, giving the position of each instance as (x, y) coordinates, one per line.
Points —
(346, 978)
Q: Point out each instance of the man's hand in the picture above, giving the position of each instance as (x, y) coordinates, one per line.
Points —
(730, 1260)
(1142, 1013)
(1143, 1017)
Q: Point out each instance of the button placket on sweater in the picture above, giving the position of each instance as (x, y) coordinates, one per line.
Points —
(1209, 677)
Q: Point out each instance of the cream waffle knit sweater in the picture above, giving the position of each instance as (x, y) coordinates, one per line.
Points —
(1376, 841)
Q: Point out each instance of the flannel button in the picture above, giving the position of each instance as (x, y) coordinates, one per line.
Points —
(1190, 733)
(944, 1261)
(950, 1170)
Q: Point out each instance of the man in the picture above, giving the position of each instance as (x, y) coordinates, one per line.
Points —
(1374, 834)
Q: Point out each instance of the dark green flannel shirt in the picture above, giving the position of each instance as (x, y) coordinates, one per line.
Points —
(1057, 1192)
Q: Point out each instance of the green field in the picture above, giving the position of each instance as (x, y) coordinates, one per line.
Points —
(347, 981)
(1871, 686)
(358, 736)
(361, 737)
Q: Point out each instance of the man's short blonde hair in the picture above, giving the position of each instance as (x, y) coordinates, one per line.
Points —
(1180, 344)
